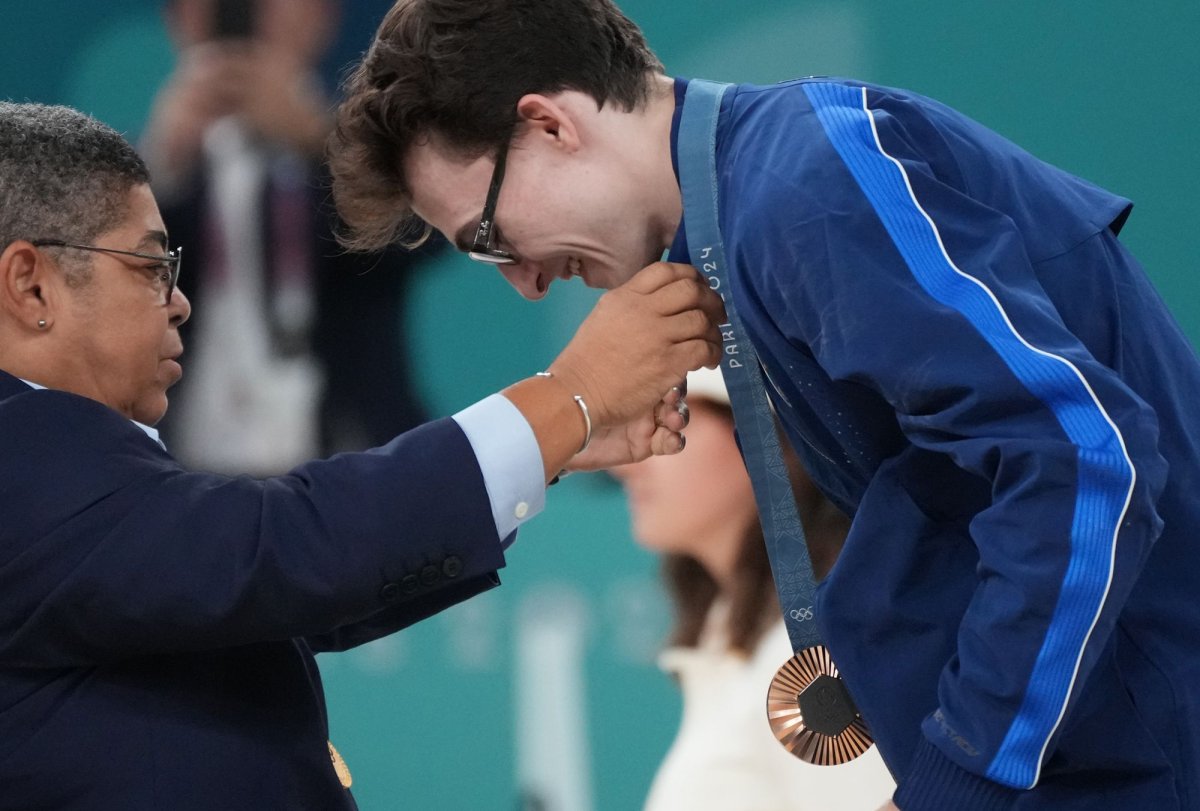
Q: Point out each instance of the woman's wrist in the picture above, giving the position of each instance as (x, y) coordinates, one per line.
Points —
(558, 418)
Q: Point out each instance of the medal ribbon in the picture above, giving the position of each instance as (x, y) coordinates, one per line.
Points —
(786, 545)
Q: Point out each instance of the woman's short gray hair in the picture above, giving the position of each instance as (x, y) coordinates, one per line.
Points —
(63, 175)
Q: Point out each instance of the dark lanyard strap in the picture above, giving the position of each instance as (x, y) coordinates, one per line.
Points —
(786, 546)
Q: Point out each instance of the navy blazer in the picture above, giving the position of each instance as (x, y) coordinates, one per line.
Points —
(157, 626)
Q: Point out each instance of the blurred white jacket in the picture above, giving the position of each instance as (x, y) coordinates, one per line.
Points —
(725, 757)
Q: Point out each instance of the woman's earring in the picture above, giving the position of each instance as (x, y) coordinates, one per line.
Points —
(41, 323)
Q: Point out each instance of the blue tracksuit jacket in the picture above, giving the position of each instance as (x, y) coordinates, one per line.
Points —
(971, 364)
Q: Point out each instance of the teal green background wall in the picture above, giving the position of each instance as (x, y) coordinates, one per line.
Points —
(432, 718)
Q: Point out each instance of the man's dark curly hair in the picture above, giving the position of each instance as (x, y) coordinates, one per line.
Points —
(455, 69)
(63, 174)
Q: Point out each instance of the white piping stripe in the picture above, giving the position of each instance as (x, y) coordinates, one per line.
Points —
(1120, 438)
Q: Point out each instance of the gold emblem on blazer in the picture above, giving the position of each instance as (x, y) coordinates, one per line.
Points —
(339, 766)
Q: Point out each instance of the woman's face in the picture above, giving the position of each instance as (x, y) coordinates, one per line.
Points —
(698, 502)
(116, 337)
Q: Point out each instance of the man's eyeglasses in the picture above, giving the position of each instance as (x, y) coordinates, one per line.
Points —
(170, 261)
(484, 249)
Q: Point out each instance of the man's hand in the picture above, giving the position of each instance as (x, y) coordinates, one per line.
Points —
(204, 86)
(277, 98)
(282, 101)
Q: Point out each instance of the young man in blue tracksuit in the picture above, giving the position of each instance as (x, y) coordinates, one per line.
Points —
(956, 343)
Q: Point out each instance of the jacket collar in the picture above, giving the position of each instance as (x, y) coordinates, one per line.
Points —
(10, 386)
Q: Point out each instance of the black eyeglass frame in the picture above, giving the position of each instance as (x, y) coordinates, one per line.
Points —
(172, 259)
(484, 248)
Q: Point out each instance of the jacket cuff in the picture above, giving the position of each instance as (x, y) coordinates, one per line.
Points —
(935, 783)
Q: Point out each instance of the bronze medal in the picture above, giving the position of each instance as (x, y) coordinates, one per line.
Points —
(811, 712)
(339, 766)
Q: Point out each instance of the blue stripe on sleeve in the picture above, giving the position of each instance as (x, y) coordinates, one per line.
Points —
(1106, 473)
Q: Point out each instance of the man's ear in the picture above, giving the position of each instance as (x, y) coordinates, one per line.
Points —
(27, 283)
(550, 118)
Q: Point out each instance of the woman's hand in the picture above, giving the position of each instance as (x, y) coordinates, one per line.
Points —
(626, 362)
(658, 434)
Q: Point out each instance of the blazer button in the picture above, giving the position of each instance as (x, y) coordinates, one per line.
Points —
(390, 593)
(409, 583)
(430, 575)
(452, 566)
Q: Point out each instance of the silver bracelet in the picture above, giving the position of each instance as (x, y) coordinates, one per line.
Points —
(587, 421)
(587, 417)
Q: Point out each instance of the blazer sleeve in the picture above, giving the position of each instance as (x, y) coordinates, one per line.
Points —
(904, 284)
(409, 612)
(110, 549)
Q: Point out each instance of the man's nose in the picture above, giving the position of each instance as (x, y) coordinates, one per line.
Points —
(527, 277)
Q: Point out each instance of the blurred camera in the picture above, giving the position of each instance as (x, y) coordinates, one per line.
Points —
(234, 19)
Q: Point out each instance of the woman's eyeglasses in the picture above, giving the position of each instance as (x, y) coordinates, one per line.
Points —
(170, 261)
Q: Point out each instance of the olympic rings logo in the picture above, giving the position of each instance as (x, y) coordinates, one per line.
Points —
(801, 614)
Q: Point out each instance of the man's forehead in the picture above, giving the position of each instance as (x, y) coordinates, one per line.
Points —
(428, 166)
(446, 190)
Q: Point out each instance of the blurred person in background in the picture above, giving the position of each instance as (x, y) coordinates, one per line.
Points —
(728, 639)
(158, 625)
(297, 348)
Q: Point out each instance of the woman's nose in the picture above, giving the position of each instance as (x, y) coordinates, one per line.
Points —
(180, 307)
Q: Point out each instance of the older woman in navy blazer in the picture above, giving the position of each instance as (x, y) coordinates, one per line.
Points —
(157, 626)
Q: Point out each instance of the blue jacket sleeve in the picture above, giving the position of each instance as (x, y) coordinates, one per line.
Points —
(898, 279)
(110, 549)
